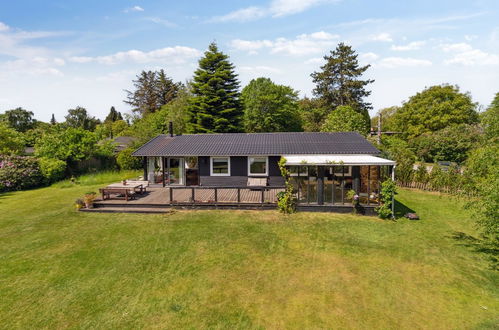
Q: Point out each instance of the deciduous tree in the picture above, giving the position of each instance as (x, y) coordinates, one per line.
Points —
(269, 107)
(345, 119)
(19, 119)
(433, 109)
(79, 118)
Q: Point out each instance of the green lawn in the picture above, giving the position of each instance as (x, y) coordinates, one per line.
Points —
(238, 269)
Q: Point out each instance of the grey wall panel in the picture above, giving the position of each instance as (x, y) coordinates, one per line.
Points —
(274, 166)
(204, 166)
(238, 166)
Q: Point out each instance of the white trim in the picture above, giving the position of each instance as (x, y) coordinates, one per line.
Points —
(266, 166)
(347, 160)
(219, 174)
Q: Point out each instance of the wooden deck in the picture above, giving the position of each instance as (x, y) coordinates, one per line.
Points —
(195, 195)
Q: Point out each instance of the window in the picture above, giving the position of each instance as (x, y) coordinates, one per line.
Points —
(220, 166)
(298, 170)
(258, 165)
(338, 171)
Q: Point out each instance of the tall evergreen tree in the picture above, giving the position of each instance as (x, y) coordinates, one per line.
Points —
(153, 89)
(166, 89)
(52, 120)
(215, 106)
(113, 116)
(338, 83)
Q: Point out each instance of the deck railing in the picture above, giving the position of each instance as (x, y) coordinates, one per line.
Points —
(223, 195)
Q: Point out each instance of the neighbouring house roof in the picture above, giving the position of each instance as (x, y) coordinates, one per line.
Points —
(245, 144)
(351, 160)
(122, 142)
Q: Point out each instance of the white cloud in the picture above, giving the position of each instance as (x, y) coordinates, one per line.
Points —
(134, 8)
(314, 61)
(250, 46)
(161, 21)
(470, 37)
(3, 27)
(36, 66)
(383, 37)
(458, 47)
(241, 15)
(473, 57)
(396, 62)
(259, 69)
(289, 7)
(303, 44)
(177, 54)
(415, 45)
(277, 8)
(368, 57)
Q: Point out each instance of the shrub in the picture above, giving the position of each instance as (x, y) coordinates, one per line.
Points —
(19, 172)
(388, 191)
(126, 161)
(286, 200)
(52, 169)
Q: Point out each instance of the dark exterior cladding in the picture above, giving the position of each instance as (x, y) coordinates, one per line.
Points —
(244, 144)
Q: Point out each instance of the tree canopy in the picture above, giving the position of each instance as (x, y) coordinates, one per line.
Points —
(338, 83)
(70, 144)
(490, 120)
(345, 119)
(79, 118)
(433, 109)
(153, 89)
(113, 116)
(269, 107)
(11, 141)
(313, 114)
(215, 106)
(450, 144)
(19, 119)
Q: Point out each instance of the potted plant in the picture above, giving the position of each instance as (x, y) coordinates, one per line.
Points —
(88, 199)
(79, 204)
(351, 194)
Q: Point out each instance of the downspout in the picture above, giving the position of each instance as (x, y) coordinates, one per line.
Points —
(393, 197)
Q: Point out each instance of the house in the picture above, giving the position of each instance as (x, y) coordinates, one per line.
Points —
(324, 167)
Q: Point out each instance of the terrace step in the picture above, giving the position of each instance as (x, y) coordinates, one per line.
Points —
(128, 209)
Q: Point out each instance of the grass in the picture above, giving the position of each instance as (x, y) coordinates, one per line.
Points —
(238, 269)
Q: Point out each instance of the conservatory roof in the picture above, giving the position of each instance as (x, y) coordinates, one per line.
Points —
(354, 160)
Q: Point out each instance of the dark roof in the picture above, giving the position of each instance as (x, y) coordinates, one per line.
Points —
(244, 144)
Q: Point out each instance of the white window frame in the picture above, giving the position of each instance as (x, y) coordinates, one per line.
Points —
(347, 173)
(266, 166)
(219, 174)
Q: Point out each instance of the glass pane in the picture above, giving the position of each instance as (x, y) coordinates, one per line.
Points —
(348, 186)
(293, 170)
(191, 163)
(176, 174)
(312, 198)
(258, 165)
(302, 186)
(220, 165)
(364, 175)
(374, 184)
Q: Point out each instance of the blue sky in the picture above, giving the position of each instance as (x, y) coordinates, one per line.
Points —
(55, 55)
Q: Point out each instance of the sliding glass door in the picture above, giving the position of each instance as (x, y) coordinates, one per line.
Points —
(175, 171)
